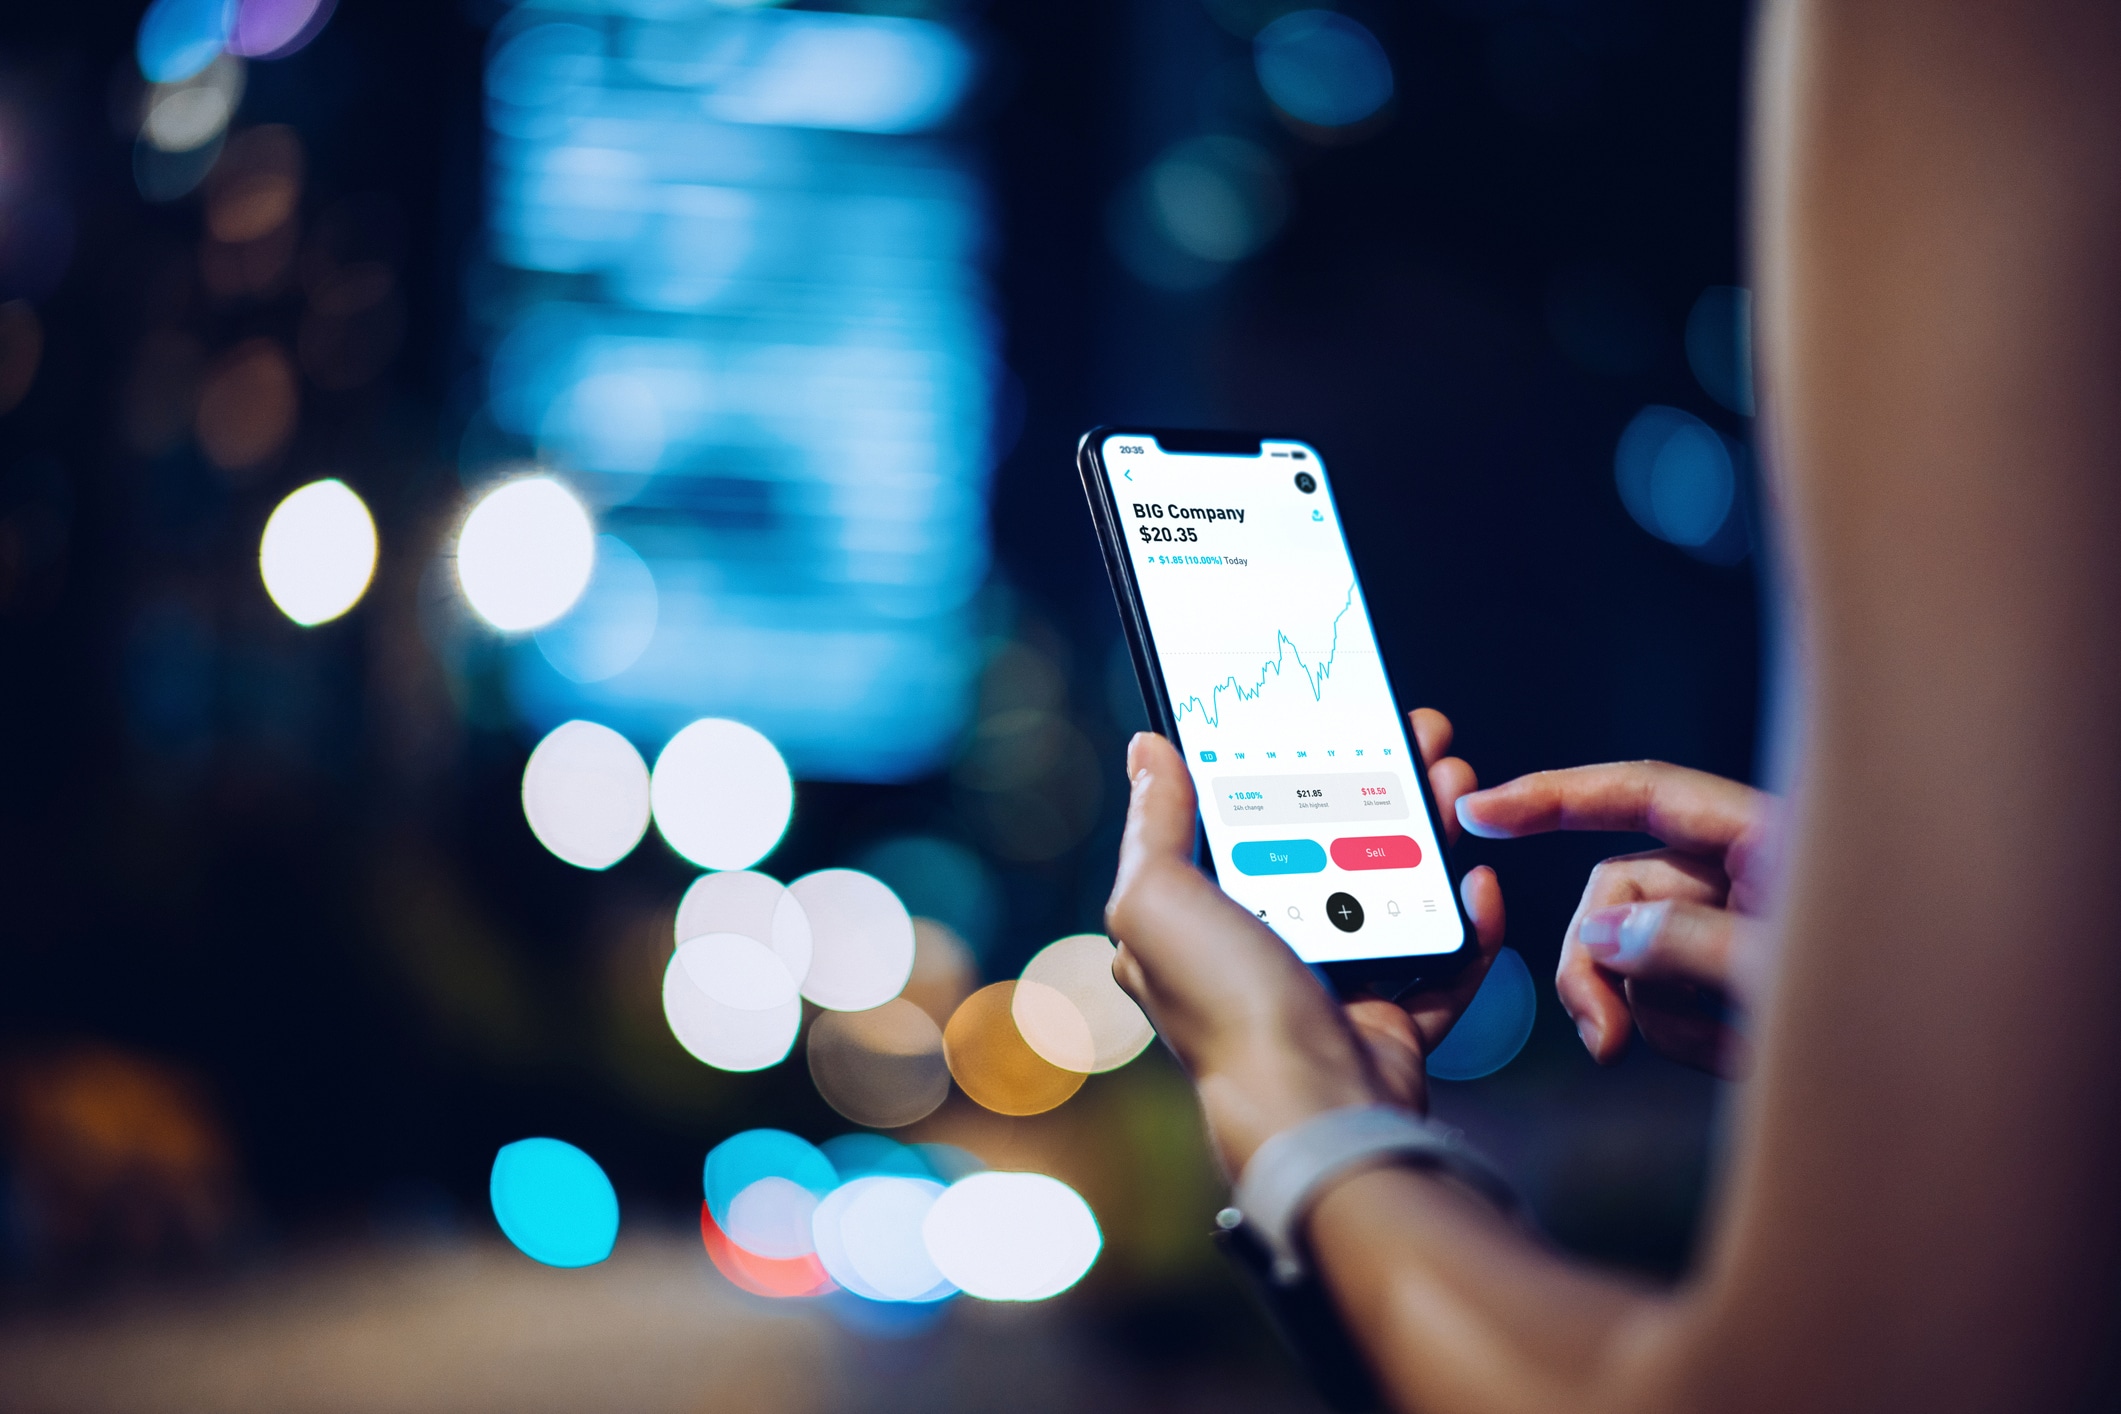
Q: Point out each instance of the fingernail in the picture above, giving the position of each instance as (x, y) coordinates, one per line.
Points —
(1622, 935)
(1587, 1034)
(1599, 931)
(1640, 926)
(1472, 823)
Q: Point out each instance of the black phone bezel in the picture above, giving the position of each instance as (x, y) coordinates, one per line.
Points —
(1380, 976)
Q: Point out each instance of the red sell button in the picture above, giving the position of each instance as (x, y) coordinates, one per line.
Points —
(1376, 852)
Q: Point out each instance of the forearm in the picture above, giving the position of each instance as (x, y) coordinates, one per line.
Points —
(1460, 1309)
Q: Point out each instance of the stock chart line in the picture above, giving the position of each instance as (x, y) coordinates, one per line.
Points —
(1284, 647)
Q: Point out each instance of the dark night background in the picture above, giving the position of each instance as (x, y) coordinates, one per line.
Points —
(288, 867)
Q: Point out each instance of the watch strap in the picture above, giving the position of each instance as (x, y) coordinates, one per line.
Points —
(1288, 1174)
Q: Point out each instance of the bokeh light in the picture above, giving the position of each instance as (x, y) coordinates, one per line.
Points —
(256, 185)
(182, 117)
(1052, 1026)
(1322, 68)
(247, 408)
(1494, 1026)
(1217, 199)
(1012, 1236)
(554, 1202)
(860, 1154)
(861, 939)
(743, 1159)
(610, 626)
(166, 176)
(723, 795)
(318, 552)
(1073, 978)
(754, 905)
(585, 794)
(761, 1276)
(786, 361)
(948, 1162)
(716, 1033)
(1203, 205)
(274, 29)
(1675, 476)
(178, 38)
(738, 971)
(869, 1237)
(992, 1062)
(770, 1217)
(882, 1067)
(943, 970)
(525, 553)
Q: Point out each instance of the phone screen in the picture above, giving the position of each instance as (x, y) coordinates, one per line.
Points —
(1309, 785)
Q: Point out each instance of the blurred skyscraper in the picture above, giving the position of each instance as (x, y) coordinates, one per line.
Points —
(733, 294)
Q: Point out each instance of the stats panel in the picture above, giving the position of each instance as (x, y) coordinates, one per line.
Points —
(1310, 798)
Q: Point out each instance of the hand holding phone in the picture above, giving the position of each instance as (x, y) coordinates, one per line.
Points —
(1267, 1046)
(1252, 642)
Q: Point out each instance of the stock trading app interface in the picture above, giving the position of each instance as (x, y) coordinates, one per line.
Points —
(1305, 773)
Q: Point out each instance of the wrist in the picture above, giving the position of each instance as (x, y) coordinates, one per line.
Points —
(1276, 1088)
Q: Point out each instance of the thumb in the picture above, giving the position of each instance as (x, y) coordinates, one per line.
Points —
(1160, 812)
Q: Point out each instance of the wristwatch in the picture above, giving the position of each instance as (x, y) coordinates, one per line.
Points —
(1285, 1178)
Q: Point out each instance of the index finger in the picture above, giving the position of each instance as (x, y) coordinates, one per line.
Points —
(1687, 809)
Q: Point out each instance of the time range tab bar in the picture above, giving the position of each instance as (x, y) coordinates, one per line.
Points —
(1295, 800)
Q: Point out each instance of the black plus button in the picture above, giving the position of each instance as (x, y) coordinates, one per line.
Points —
(1344, 912)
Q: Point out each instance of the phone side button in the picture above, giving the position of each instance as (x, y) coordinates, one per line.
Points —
(1278, 857)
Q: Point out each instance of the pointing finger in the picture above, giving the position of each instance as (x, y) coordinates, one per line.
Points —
(1690, 810)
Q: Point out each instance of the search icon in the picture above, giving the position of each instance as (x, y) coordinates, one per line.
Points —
(1295, 912)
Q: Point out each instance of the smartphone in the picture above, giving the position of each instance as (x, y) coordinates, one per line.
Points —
(1253, 646)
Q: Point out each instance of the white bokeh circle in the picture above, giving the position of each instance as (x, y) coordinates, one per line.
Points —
(1012, 1236)
(737, 971)
(1075, 973)
(318, 552)
(525, 553)
(870, 1238)
(756, 905)
(861, 939)
(585, 794)
(723, 1036)
(722, 794)
(770, 1217)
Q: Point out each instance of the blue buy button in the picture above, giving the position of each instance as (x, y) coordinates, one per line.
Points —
(1279, 857)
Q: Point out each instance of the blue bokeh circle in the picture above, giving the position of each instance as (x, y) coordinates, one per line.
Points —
(1322, 68)
(743, 1159)
(1494, 1028)
(178, 38)
(554, 1202)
